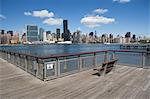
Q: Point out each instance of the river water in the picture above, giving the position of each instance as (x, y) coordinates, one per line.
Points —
(46, 50)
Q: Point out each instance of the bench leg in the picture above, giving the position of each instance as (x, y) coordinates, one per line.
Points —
(114, 68)
(104, 72)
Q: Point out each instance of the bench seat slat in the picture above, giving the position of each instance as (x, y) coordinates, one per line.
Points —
(108, 65)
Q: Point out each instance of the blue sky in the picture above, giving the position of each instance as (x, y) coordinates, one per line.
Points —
(104, 16)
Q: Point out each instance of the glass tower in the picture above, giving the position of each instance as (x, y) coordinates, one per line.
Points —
(32, 33)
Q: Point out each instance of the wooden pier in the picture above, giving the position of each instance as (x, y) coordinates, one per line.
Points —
(123, 83)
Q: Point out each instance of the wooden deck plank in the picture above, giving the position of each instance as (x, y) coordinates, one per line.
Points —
(124, 83)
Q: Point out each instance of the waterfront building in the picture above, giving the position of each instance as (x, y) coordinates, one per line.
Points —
(110, 38)
(32, 33)
(9, 38)
(10, 32)
(41, 31)
(23, 38)
(44, 37)
(50, 37)
(66, 33)
(54, 37)
(128, 37)
(93, 37)
(2, 31)
(76, 37)
(128, 40)
(6, 39)
(58, 33)
(120, 39)
(48, 33)
(82, 38)
(104, 38)
(133, 39)
(15, 38)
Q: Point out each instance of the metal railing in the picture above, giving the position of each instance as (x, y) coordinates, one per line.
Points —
(54, 66)
(135, 46)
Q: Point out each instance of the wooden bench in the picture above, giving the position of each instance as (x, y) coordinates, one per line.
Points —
(106, 67)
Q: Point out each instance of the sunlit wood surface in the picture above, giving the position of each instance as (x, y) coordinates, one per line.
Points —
(124, 83)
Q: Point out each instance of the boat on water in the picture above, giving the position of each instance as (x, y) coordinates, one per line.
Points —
(65, 42)
(107, 43)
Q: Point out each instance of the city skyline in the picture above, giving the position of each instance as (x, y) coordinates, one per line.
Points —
(112, 16)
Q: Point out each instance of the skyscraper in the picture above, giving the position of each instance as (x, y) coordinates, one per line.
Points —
(41, 31)
(128, 35)
(110, 38)
(76, 37)
(32, 33)
(2, 31)
(10, 32)
(65, 26)
(58, 33)
(66, 32)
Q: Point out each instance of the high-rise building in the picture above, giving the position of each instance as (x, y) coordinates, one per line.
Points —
(58, 33)
(48, 33)
(1, 36)
(66, 32)
(41, 31)
(2, 31)
(32, 33)
(23, 38)
(128, 35)
(110, 38)
(65, 26)
(91, 34)
(10, 32)
(76, 37)
(44, 36)
(15, 38)
(133, 38)
(104, 38)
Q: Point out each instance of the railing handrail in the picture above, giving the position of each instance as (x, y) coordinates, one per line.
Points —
(76, 54)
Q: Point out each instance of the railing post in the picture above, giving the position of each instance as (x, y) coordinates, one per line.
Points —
(94, 60)
(36, 68)
(65, 65)
(58, 67)
(80, 63)
(26, 64)
(114, 57)
(37, 72)
(143, 60)
(105, 57)
(44, 72)
(104, 72)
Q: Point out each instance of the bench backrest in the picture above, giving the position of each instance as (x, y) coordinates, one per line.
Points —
(109, 63)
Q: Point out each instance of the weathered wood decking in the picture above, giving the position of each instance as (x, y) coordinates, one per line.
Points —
(124, 83)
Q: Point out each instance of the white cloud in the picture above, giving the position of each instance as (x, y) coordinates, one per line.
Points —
(122, 1)
(2, 17)
(27, 13)
(79, 28)
(100, 11)
(96, 21)
(48, 17)
(41, 14)
(53, 21)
